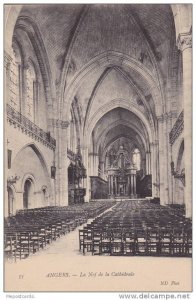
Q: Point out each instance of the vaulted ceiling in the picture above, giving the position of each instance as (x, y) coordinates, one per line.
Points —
(129, 29)
(103, 53)
(117, 124)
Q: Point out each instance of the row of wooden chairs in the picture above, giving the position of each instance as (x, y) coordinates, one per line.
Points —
(134, 228)
(152, 243)
(31, 230)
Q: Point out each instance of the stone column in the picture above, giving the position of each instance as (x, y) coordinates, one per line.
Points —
(163, 181)
(148, 168)
(158, 160)
(95, 164)
(106, 162)
(109, 184)
(112, 186)
(128, 186)
(61, 162)
(86, 181)
(185, 45)
(116, 186)
(90, 164)
(134, 185)
(131, 185)
(102, 169)
(65, 163)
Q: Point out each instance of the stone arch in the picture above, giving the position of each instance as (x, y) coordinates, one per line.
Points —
(11, 13)
(28, 189)
(111, 105)
(28, 176)
(110, 59)
(68, 53)
(102, 78)
(128, 124)
(41, 159)
(31, 62)
(17, 49)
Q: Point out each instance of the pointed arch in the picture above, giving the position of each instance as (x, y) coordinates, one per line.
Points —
(111, 105)
(106, 60)
(31, 29)
(39, 155)
(130, 82)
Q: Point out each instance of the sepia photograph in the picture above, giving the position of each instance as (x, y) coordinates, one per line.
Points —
(97, 147)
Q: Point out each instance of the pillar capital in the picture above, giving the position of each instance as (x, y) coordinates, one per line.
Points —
(184, 40)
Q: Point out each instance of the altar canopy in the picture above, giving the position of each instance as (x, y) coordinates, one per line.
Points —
(121, 175)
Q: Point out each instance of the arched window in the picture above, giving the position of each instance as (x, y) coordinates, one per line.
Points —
(30, 92)
(136, 158)
(14, 78)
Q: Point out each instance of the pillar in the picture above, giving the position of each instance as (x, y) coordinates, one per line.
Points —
(64, 167)
(131, 177)
(95, 164)
(148, 163)
(116, 186)
(134, 184)
(106, 162)
(109, 184)
(90, 164)
(112, 185)
(61, 162)
(102, 169)
(128, 186)
(185, 45)
(162, 183)
(86, 181)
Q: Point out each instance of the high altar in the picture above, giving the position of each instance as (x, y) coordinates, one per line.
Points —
(122, 176)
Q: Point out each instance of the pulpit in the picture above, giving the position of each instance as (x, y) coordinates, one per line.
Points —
(76, 174)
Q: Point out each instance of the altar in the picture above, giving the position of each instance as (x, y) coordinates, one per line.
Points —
(122, 176)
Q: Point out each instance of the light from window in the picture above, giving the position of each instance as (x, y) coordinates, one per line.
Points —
(136, 158)
(14, 84)
(29, 105)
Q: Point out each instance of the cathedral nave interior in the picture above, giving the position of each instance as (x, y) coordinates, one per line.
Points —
(98, 129)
